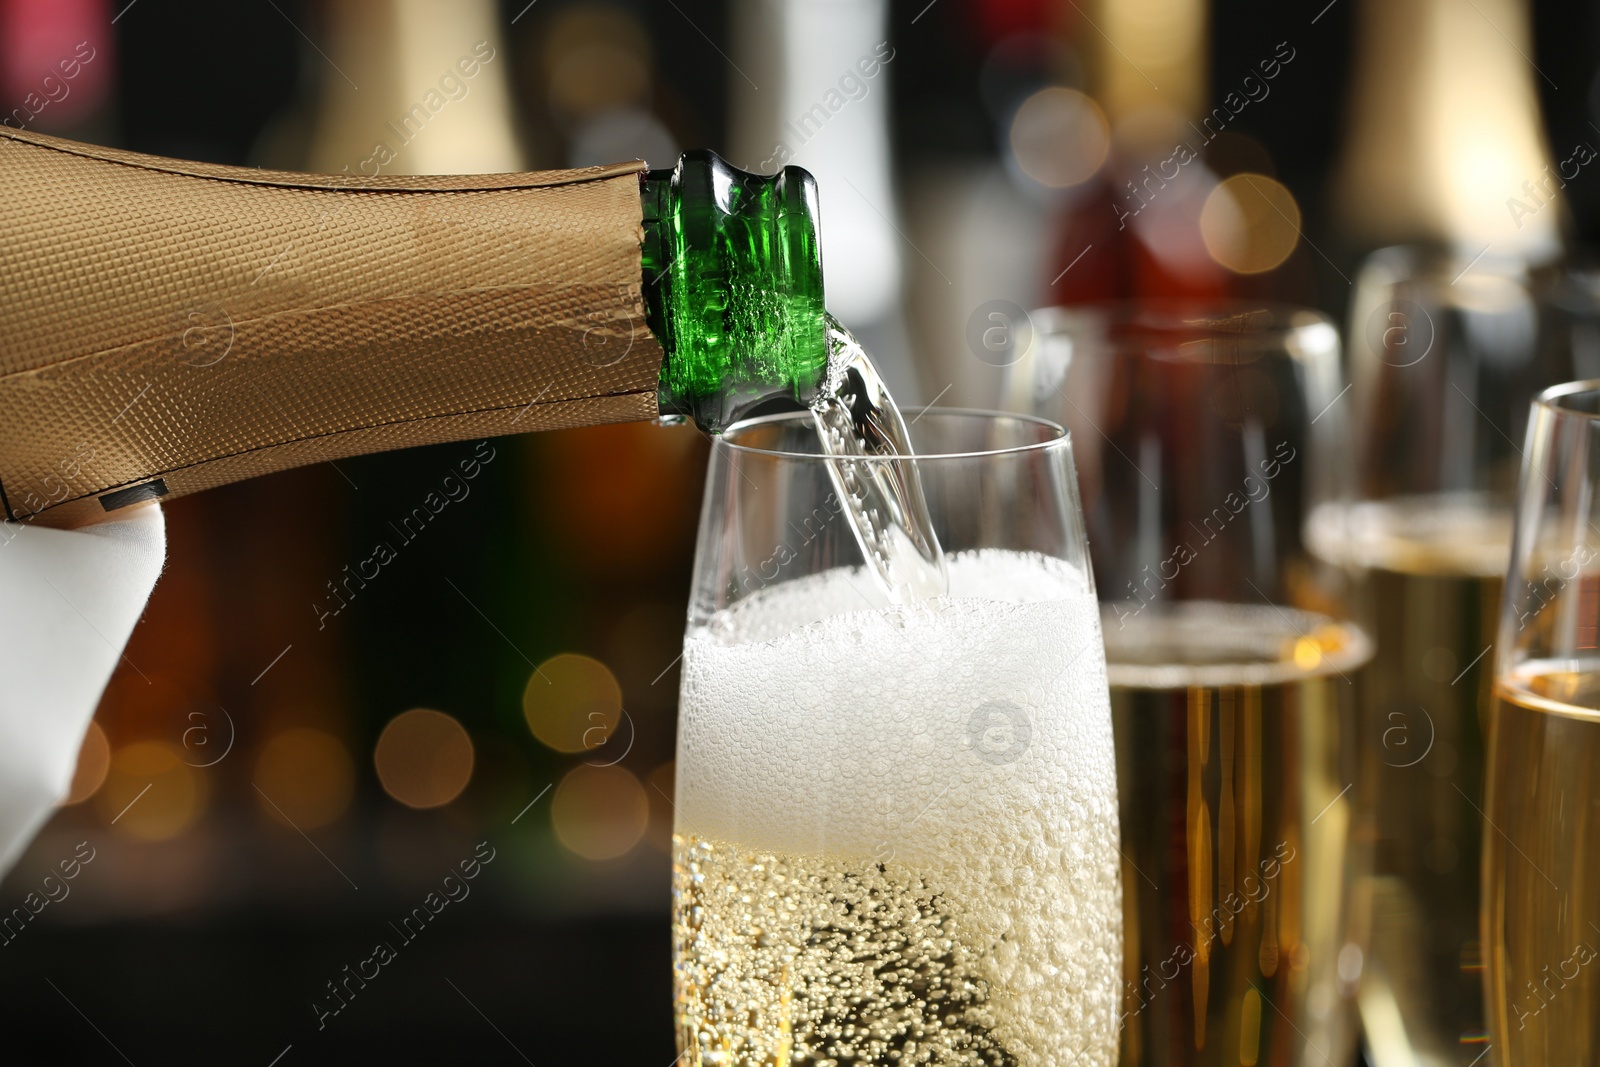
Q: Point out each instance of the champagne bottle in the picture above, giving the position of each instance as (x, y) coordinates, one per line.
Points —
(1133, 230)
(435, 90)
(174, 326)
(816, 49)
(1445, 140)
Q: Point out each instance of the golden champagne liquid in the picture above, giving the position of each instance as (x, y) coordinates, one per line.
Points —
(802, 959)
(1542, 866)
(1236, 739)
(1431, 575)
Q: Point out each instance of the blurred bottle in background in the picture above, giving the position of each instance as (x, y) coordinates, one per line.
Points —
(1184, 205)
(1131, 227)
(824, 69)
(590, 90)
(399, 87)
(1127, 175)
(433, 97)
(1444, 133)
(977, 226)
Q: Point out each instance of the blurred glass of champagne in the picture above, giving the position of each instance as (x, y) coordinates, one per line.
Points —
(1450, 335)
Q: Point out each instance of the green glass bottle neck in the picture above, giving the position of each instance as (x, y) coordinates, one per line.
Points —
(733, 287)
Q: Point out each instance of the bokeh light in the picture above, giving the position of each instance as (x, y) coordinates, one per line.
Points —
(572, 703)
(1059, 137)
(305, 777)
(94, 760)
(1307, 654)
(424, 758)
(599, 813)
(150, 793)
(1250, 223)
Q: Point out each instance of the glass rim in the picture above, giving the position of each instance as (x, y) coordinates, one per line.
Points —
(1194, 319)
(1060, 437)
(1419, 255)
(1551, 399)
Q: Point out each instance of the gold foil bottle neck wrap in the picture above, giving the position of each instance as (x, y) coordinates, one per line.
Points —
(171, 326)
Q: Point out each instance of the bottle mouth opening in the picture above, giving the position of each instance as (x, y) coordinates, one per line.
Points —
(937, 434)
(732, 283)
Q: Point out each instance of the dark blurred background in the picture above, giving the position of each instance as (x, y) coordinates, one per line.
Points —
(287, 765)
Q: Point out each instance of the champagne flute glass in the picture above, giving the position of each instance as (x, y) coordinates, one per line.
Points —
(1204, 435)
(1541, 836)
(1447, 352)
(896, 827)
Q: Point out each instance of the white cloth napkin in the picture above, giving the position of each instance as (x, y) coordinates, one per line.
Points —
(69, 599)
